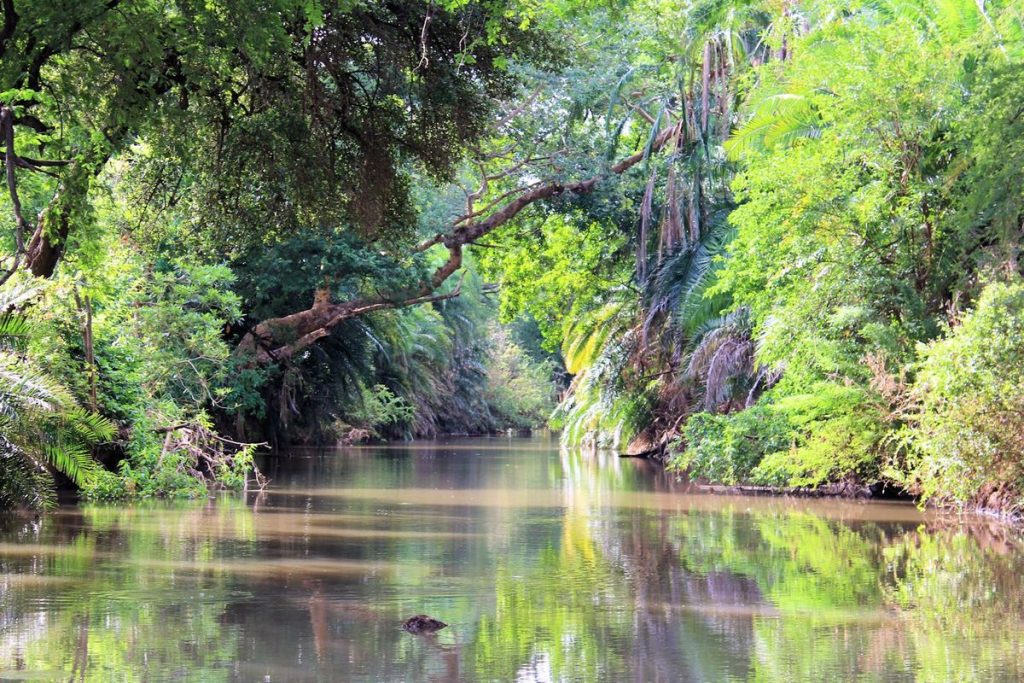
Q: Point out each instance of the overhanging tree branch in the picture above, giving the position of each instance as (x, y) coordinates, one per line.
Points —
(279, 339)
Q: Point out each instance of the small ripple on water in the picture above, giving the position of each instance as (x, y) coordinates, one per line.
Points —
(41, 550)
(14, 580)
(272, 568)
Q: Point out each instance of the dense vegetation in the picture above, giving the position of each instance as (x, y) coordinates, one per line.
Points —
(778, 239)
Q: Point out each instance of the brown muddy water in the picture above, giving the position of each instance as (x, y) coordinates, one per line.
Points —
(548, 566)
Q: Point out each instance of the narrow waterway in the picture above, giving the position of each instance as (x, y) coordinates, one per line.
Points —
(548, 566)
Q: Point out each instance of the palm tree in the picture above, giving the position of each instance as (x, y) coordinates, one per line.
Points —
(42, 427)
(630, 357)
(722, 364)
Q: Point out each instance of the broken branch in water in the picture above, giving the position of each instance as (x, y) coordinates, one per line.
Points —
(207, 457)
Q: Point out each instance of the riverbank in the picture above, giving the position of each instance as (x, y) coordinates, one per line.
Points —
(878, 491)
(995, 502)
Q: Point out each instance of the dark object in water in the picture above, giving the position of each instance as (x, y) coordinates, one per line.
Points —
(421, 623)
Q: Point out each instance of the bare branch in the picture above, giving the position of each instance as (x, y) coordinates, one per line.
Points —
(485, 181)
(500, 198)
(522, 164)
(36, 164)
(428, 243)
(528, 102)
(480, 155)
(33, 122)
(425, 41)
(643, 113)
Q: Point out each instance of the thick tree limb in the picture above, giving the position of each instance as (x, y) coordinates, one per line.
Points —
(33, 74)
(53, 227)
(263, 343)
(10, 24)
(33, 122)
(279, 339)
(11, 163)
(47, 245)
(37, 164)
(43, 251)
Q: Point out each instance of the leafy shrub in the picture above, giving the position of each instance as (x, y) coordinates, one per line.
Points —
(969, 436)
(377, 409)
(838, 429)
(381, 407)
(831, 432)
(160, 360)
(519, 390)
(169, 456)
(728, 448)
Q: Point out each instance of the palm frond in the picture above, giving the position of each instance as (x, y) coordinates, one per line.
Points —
(72, 459)
(41, 423)
(722, 360)
(14, 329)
(675, 290)
(777, 120)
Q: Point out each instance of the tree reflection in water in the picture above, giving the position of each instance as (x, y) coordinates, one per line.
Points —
(568, 567)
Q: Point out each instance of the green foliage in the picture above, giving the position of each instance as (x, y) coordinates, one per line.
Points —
(677, 293)
(236, 139)
(378, 409)
(831, 433)
(865, 217)
(519, 389)
(464, 382)
(154, 326)
(729, 448)
(199, 168)
(145, 474)
(446, 364)
(559, 281)
(169, 456)
(967, 438)
(838, 433)
(602, 408)
(41, 424)
(816, 190)
(618, 278)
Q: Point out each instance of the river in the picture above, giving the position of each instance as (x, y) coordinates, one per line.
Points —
(548, 566)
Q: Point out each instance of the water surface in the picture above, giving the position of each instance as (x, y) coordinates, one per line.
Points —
(548, 566)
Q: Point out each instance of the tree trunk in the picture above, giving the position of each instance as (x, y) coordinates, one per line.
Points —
(705, 89)
(44, 251)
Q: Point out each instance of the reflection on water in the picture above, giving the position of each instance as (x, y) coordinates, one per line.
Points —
(547, 566)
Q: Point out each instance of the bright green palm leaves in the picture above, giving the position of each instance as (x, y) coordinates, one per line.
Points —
(631, 355)
(41, 423)
(604, 406)
(778, 119)
(676, 294)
